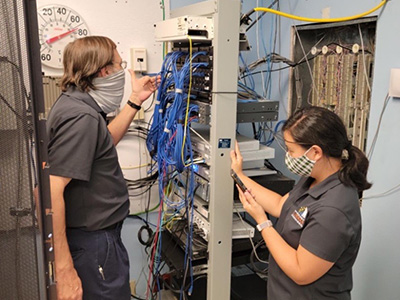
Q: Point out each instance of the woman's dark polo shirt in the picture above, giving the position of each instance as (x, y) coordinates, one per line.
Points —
(326, 221)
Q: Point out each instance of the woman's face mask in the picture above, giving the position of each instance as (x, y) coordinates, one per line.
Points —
(109, 91)
(300, 165)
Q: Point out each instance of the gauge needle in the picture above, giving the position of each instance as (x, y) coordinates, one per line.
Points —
(59, 37)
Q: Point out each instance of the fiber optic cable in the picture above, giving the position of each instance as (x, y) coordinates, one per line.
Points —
(188, 97)
(318, 20)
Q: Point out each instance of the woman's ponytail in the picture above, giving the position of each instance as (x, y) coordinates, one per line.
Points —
(354, 169)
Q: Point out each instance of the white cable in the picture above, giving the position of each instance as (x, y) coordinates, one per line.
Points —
(258, 50)
(140, 66)
(278, 141)
(394, 189)
(199, 135)
(304, 52)
(145, 263)
(371, 149)
(285, 108)
(363, 54)
(135, 167)
(251, 241)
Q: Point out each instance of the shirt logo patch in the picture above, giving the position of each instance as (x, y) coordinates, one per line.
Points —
(300, 215)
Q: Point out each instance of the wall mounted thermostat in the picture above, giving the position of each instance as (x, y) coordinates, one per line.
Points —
(58, 26)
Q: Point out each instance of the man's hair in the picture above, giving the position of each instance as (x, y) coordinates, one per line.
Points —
(83, 59)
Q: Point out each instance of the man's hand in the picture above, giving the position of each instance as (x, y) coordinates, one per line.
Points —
(143, 87)
(69, 285)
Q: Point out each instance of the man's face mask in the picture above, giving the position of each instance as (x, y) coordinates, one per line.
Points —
(299, 165)
(109, 91)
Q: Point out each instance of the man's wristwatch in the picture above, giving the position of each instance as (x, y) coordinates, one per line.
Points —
(263, 225)
(133, 105)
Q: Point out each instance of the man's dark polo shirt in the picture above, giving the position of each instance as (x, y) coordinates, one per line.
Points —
(81, 147)
(330, 229)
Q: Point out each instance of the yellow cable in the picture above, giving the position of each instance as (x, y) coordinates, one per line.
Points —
(188, 100)
(320, 20)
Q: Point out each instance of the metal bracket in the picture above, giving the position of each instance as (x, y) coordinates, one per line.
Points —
(20, 212)
(42, 116)
(200, 269)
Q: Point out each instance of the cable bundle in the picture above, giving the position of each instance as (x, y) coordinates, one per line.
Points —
(168, 140)
(169, 144)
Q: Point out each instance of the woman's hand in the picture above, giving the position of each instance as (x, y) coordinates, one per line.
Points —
(143, 87)
(251, 206)
(236, 160)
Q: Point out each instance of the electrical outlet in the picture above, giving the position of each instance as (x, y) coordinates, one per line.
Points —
(326, 13)
(394, 87)
(139, 59)
(139, 115)
(132, 285)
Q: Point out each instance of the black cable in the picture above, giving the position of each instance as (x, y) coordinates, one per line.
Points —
(169, 287)
(245, 18)
(5, 59)
(150, 235)
(287, 61)
(136, 297)
(280, 69)
(269, 165)
(151, 104)
(141, 193)
(139, 128)
(143, 181)
(132, 185)
(10, 107)
(148, 204)
(247, 15)
(252, 255)
(235, 295)
(188, 220)
(173, 289)
(256, 20)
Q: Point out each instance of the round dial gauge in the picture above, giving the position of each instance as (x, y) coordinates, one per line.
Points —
(58, 25)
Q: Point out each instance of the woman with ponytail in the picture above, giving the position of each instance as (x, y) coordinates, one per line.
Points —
(315, 242)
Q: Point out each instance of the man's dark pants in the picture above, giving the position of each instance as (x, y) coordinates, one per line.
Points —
(102, 263)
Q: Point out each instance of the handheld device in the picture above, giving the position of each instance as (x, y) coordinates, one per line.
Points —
(238, 181)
